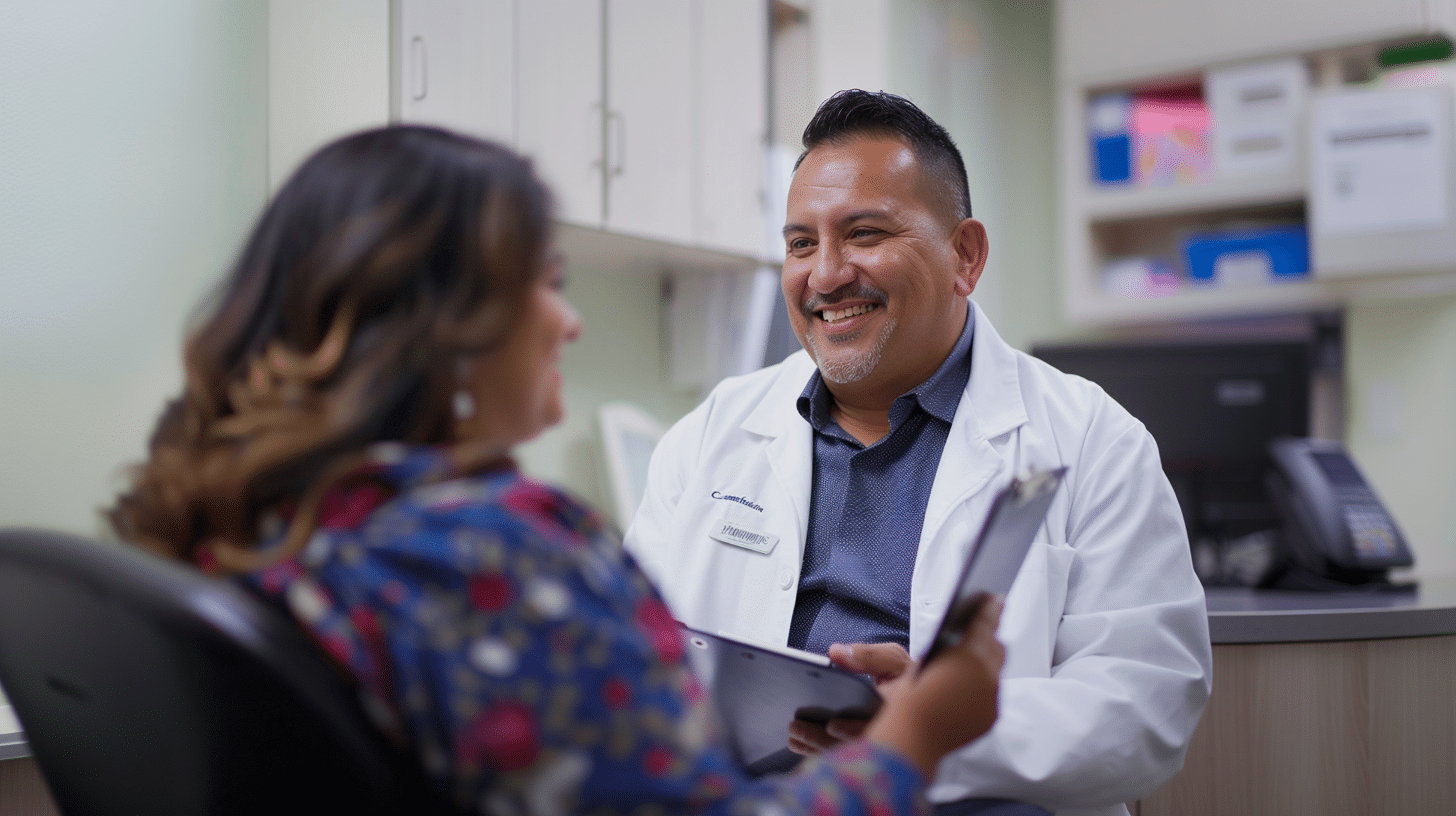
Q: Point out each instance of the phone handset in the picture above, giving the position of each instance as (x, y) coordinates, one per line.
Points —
(1337, 533)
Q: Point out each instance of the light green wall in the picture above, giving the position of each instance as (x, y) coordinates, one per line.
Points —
(619, 357)
(132, 158)
(983, 69)
(1401, 398)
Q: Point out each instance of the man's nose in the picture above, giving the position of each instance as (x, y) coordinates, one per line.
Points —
(832, 268)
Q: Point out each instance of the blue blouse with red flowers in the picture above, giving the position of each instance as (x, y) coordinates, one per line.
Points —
(497, 628)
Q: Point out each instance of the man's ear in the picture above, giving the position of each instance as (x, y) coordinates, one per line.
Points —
(969, 241)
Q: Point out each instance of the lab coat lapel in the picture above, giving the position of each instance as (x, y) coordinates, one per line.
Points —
(975, 454)
(789, 439)
(990, 407)
(994, 390)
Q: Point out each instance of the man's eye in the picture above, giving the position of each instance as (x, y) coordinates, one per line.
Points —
(862, 232)
(798, 244)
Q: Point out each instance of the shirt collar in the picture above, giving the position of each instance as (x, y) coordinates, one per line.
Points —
(938, 395)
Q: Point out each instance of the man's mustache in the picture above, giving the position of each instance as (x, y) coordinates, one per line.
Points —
(849, 291)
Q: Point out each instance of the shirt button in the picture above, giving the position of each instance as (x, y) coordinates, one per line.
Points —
(786, 578)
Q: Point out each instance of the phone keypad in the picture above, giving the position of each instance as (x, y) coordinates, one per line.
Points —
(1371, 530)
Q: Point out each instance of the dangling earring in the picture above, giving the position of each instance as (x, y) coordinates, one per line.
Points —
(463, 401)
(464, 404)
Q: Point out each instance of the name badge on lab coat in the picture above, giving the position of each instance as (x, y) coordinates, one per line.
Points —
(748, 538)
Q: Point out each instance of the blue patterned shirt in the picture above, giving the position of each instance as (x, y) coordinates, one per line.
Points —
(497, 629)
(868, 508)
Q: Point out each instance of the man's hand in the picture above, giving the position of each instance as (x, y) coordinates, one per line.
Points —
(949, 702)
(882, 661)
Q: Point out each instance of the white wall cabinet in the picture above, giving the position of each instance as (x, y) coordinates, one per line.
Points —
(646, 117)
(731, 117)
(561, 103)
(328, 75)
(454, 63)
(489, 67)
(649, 124)
(1131, 45)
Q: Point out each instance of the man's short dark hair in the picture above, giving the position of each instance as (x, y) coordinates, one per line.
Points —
(853, 113)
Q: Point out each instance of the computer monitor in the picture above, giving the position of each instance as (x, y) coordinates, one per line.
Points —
(1213, 410)
(1207, 405)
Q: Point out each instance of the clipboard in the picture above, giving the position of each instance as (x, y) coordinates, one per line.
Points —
(759, 689)
(1011, 524)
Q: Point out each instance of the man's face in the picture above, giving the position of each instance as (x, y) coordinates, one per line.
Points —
(875, 276)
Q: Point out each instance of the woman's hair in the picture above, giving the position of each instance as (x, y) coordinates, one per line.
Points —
(388, 257)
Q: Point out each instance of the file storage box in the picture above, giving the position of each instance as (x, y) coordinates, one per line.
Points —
(1249, 256)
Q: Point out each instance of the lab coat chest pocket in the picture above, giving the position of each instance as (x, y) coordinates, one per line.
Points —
(748, 589)
(1034, 608)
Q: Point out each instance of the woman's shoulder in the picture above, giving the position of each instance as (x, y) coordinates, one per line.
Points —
(441, 534)
(505, 499)
(439, 514)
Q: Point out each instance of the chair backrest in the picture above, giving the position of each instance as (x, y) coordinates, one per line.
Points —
(145, 686)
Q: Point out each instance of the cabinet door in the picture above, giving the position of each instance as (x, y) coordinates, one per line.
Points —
(559, 91)
(649, 119)
(328, 75)
(456, 65)
(731, 115)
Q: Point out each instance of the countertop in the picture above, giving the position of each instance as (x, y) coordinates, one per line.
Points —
(12, 739)
(1279, 616)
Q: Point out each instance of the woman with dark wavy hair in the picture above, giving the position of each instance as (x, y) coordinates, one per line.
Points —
(342, 445)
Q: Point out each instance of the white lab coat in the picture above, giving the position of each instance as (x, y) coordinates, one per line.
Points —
(1108, 659)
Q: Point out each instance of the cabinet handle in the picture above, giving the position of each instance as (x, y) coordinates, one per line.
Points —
(596, 133)
(418, 63)
(618, 147)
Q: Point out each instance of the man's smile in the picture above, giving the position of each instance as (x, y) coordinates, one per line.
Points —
(832, 316)
(845, 311)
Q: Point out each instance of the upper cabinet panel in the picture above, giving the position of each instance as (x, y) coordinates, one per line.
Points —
(646, 118)
(732, 124)
(455, 65)
(328, 75)
(649, 119)
(1116, 41)
(560, 105)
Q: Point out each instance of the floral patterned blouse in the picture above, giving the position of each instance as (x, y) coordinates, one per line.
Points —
(498, 629)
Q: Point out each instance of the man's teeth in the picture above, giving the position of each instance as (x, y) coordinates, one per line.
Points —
(833, 316)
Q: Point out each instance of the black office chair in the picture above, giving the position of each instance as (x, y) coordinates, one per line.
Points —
(146, 687)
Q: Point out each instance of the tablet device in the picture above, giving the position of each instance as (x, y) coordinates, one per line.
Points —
(760, 689)
(1016, 513)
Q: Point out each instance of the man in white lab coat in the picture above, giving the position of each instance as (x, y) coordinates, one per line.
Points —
(833, 498)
